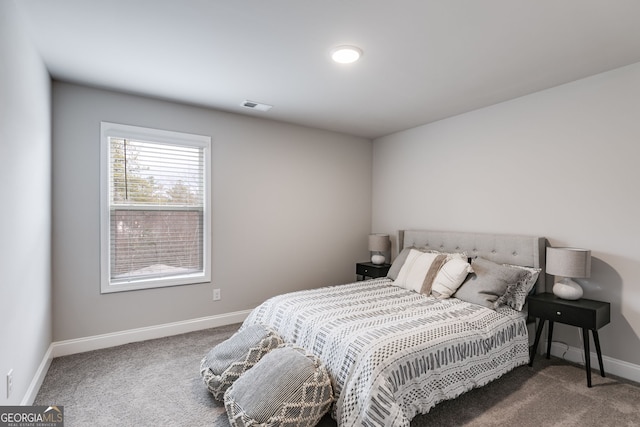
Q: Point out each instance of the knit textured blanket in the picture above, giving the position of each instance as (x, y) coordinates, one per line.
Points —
(393, 353)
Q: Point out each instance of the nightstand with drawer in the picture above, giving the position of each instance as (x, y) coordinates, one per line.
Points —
(590, 315)
(369, 269)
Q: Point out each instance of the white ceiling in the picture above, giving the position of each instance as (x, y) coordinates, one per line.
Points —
(423, 60)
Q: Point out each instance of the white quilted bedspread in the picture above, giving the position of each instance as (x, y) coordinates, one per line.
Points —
(393, 353)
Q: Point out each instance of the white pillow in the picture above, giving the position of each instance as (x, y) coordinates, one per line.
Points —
(418, 271)
(450, 277)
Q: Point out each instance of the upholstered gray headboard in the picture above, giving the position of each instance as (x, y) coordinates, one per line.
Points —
(527, 251)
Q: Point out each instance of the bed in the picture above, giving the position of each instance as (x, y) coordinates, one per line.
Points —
(393, 353)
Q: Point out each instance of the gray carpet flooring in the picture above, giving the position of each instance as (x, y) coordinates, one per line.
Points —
(157, 383)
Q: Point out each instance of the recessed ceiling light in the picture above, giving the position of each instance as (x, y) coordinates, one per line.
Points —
(346, 54)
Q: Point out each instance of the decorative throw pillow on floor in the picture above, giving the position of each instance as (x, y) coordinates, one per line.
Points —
(231, 358)
(287, 387)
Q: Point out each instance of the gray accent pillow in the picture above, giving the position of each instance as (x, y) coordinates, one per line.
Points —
(397, 264)
(488, 282)
(516, 294)
(231, 358)
(286, 387)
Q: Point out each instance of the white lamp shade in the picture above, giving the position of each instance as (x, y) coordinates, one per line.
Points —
(569, 262)
(379, 242)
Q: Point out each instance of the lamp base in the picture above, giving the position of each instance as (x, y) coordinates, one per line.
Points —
(377, 259)
(567, 289)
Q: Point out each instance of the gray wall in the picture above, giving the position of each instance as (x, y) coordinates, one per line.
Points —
(25, 216)
(562, 163)
(291, 210)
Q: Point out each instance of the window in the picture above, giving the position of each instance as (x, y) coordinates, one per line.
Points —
(155, 208)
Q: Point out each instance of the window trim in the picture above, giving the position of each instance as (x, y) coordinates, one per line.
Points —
(110, 130)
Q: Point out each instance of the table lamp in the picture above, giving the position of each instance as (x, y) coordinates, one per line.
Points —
(378, 245)
(568, 263)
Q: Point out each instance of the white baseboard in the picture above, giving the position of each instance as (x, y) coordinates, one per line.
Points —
(38, 378)
(96, 342)
(612, 366)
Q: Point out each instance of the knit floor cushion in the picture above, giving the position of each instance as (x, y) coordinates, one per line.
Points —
(286, 388)
(231, 358)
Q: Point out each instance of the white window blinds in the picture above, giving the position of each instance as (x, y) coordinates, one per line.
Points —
(156, 207)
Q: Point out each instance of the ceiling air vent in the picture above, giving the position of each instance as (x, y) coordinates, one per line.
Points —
(256, 105)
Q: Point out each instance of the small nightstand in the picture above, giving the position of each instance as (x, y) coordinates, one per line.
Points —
(369, 269)
(590, 315)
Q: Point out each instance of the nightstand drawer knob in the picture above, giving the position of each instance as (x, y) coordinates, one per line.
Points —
(558, 313)
(366, 271)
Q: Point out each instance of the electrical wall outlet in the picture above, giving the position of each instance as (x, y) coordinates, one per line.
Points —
(216, 294)
(9, 383)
